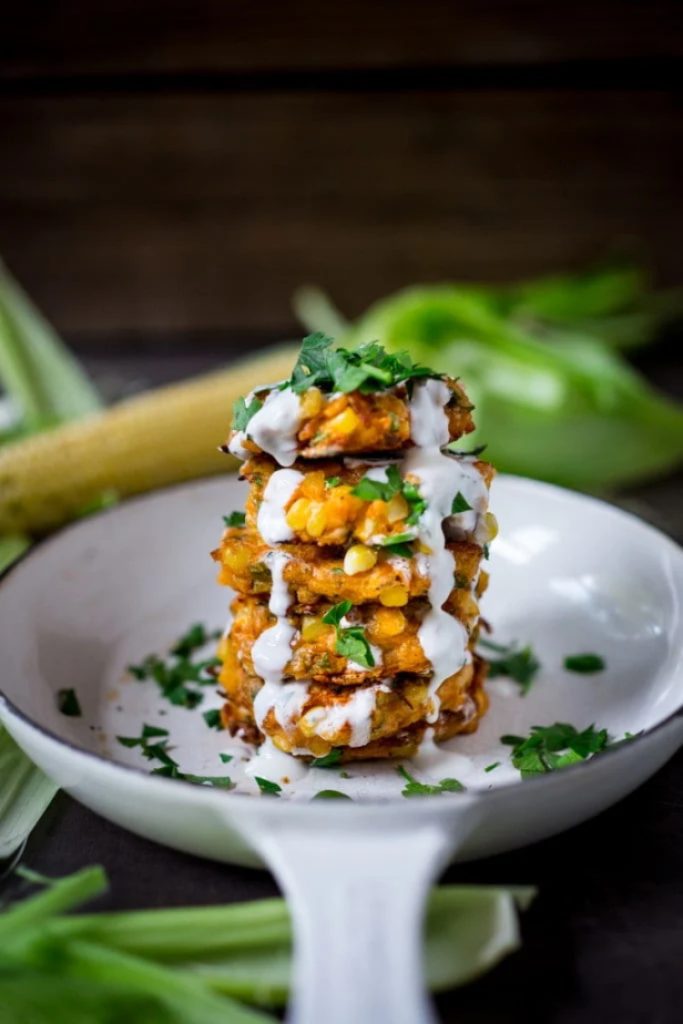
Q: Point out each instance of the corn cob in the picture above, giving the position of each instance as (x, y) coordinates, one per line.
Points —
(157, 438)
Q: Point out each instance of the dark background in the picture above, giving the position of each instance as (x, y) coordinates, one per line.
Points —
(170, 172)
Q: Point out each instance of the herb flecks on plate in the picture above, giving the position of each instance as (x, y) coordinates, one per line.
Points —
(180, 677)
(68, 703)
(351, 641)
(331, 794)
(550, 747)
(585, 664)
(519, 663)
(267, 787)
(415, 788)
(330, 760)
(235, 519)
(368, 368)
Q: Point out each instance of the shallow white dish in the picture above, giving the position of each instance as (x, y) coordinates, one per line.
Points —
(569, 575)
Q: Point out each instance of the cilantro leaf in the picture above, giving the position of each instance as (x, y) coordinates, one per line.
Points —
(235, 519)
(584, 663)
(331, 794)
(267, 787)
(68, 703)
(225, 758)
(555, 746)
(519, 664)
(332, 481)
(379, 490)
(329, 760)
(179, 676)
(242, 413)
(367, 368)
(352, 644)
(460, 504)
(213, 719)
(336, 613)
(415, 788)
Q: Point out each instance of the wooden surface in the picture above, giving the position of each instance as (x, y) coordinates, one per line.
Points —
(183, 167)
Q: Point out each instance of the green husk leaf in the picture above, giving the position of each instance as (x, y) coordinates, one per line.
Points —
(25, 794)
(36, 368)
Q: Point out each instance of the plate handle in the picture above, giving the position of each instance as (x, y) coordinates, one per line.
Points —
(357, 896)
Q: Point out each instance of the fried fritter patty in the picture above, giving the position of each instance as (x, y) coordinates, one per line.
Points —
(333, 424)
(391, 632)
(320, 718)
(323, 510)
(314, 574)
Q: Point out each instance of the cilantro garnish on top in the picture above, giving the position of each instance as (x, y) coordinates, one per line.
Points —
(368, 368)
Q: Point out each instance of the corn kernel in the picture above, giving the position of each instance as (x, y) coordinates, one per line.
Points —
(389, 622)
(366, 528)
(312, 628)
(359, 558)
(394, 597)
(236, 558)
(316, 520)
(298, 514)
(491, 525)
(345, 423)
(397, 508)
(424, 549)
(312, 403)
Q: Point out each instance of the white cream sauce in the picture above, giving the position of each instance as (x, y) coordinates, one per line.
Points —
(286, 699)
(271, 520)
(443, 638)
(270, 763)
(273, 428)
(327, 722)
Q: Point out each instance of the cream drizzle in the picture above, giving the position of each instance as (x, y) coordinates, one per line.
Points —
(271, 520)
(273, 428)
(273, 648)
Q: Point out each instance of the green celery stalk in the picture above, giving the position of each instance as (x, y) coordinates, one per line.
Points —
(25, 794)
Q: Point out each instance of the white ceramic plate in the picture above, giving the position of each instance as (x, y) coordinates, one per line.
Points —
(568, 574)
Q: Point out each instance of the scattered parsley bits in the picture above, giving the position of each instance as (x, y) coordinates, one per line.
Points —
(329, 760)
(368, 489)
(179, 677)
(68, 703)
(351, 641)
(584, 663)
(519, 664)
(367, 368)
(460, 504)
(148, 732)
(242, 413)
(331, 794)
(213, 719)
(490, 767)
(216, 781)
(550, 747)
(267, 787)
(415, 788)
(332, 481)
(225, 758)
(235, 519)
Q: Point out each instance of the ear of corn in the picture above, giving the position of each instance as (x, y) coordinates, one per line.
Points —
(155, 439)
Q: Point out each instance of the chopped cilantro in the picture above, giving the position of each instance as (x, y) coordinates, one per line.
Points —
(415, 788)
(179, 677)
(460, 504)
(68, 703)
(213, 719)
(329, 760)
(148, 732)
(584, 663)
(173, 772)
(267, 787)
(351, 641)
(384, 490)
(332, 481)
(225, 758)
(235, 519)
(334, 615)
(519, 664)
(550, 747)
(331, 794)
(367, 368)
(490, 767)
(242, 413)
(487, 551)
